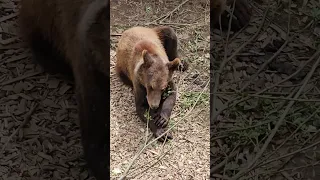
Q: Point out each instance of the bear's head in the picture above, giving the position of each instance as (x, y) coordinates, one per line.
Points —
(155, 73)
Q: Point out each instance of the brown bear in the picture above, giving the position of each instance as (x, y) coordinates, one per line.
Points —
(146, 60)
(241, 15)
(72, 37)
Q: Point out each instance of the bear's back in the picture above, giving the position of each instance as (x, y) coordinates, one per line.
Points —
(127, 57)
(132, 36)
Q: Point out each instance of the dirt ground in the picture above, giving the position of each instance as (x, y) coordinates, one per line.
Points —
(266, 120)
(187, 155)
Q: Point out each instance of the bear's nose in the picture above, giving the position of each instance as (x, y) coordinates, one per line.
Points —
(154, 106)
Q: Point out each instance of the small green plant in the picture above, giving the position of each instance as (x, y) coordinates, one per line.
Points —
(148, 9)
(167, 92)
(189, 98)
(316, 13)
(147, 115)
(317, 43)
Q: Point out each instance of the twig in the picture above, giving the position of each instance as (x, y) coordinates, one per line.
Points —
(263, 122)
(252, 38)
(266, 63)
(219, 176)
(8, 41)
(5, 18)
(13, 46)
(279, 123)
(146, 140)
(265, 161)
(169, 13)
(221, 164)
(5, 115)
(218, 137)
(154, 163)
(246, 128)
(279, 171)
(24, 122)
(293, 133)
(285, 98)
(20, 78)
(238, 33)
(132, 162)
(227, 158)
(252, 93)
(181, 24)
(147, 129)
(292, 153)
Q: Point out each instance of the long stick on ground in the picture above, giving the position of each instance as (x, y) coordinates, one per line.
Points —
(169, 13)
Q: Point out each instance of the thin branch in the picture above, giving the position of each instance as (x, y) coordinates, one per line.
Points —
(285, 98)
(116, 34)
(292, 153)
(23, 123)
(154, 163)
(279, 171)
(20, 78)
(266, 63)
(224, 162)
(293, 133)
(162, 18)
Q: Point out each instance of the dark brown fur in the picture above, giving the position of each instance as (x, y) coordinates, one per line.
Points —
(149, 45)
(216, 9)
(72, 37)
(242, 12)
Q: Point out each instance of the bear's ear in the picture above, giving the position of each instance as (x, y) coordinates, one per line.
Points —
(147, 60)
(173, 65)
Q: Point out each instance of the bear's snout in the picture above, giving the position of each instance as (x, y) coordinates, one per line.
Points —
(154, 106)
(154, 99)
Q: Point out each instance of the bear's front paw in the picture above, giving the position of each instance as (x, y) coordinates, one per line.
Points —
(161, 121)
(183, 66)
(165, 137)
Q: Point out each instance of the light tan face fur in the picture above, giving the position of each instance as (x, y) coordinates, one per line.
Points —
(156, 73)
